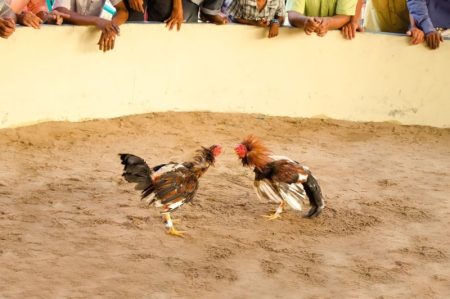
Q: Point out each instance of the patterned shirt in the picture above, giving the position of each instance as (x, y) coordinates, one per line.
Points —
(84, 7)
(247, 10)
(323, 8)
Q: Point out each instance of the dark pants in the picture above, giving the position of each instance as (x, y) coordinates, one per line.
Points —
(160, 10)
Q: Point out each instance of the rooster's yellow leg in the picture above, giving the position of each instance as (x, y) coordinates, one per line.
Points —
(169, 225)
(277, 213)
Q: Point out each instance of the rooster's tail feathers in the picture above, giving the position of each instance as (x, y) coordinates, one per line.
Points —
(135, 170)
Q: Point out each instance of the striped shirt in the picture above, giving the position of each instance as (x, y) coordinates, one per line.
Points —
(247, 10)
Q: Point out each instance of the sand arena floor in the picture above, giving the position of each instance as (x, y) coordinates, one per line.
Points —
(71, 227)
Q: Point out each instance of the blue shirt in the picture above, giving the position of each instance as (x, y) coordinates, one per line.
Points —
(430, 14)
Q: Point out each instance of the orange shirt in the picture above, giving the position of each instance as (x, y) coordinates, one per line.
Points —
(34, 6)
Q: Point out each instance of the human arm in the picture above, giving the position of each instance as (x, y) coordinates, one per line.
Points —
(137, 5)
(331, 23)
(176, 17)
(7, 24)
(349, 29)
(309, 24)
(278, 20)
(417, 35)
(259, 23)
(29, 19)
(107, 38)
(419, 11)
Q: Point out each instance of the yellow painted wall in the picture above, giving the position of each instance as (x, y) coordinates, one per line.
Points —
(57, 73)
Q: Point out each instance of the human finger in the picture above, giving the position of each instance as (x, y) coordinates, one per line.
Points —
(140, 6)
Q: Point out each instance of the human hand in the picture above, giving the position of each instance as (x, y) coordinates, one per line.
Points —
(262, 23)
(349, 29)
(30, 19)
(53, 17)
(175, 19)
(322, 29)
(7, 27)
(434, 38)
(137, 5)
(273, 29)
(107, 26)
(417, 35)
(106, 41)
(310, 26)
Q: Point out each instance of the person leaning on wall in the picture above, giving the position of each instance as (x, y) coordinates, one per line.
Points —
(262, 13)
(7, 20)
(82, 12)
(175, 12)
(319, 16)
(433, 18)
(385, 16)
(33, 13)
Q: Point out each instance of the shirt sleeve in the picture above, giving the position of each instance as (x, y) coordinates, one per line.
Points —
(419, 10)
(36, 6)
(281, 11)
(234, 9)
(346, 7)
(296, 5)
(69, 4)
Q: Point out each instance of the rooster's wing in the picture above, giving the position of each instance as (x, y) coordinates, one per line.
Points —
(173, 185)
(282, 180)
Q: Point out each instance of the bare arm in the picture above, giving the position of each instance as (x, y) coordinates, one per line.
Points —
(336, 22)
(356, 19)
(176, 18)
(262, 23)
(121, 15)
(349, 29)
(297, 19)
(78, 19)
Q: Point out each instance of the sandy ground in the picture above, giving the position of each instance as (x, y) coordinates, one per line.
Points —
(71, 227)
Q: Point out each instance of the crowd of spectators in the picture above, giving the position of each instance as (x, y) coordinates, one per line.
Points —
(423, 20)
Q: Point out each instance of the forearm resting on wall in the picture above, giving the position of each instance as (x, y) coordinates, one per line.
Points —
(336, 22)
(297, 19)
(121, 15)
(77, 19)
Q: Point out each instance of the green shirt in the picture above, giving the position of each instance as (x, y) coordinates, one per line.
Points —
(322, 8)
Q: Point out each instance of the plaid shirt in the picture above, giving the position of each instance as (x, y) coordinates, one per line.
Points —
(247, 10)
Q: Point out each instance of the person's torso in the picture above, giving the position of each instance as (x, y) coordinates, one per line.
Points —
(250, 10)
(439, 12)
(89, 7)
(320, 8)
(387, 16)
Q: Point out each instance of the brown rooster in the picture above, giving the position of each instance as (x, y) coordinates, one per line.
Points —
(170, 185)
(280, 179)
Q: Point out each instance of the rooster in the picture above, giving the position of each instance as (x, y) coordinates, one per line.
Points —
(169, 186)
(280, 179)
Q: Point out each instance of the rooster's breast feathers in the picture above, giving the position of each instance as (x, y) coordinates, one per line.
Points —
(281, 180)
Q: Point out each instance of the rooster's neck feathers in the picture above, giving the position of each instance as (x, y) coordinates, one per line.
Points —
(258, 155)
(203, 158)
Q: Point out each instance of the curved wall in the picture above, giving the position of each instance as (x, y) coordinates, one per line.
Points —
(57, 73)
